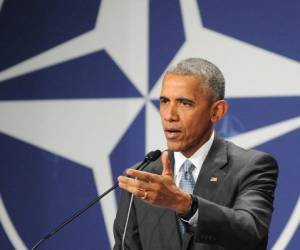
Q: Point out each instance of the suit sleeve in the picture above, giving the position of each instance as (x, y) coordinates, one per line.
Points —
(132, 240)
(245, 224)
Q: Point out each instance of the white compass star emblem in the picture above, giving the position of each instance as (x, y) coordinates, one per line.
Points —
(88, 125)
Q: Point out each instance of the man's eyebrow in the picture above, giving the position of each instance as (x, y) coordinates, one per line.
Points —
(163, 97)
(185, 99)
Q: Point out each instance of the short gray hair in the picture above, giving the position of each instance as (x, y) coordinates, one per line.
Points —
(202, 68)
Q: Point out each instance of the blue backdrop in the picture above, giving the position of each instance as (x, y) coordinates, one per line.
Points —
(79, 87)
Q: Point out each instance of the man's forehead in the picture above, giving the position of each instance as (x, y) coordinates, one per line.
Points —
(184, 83)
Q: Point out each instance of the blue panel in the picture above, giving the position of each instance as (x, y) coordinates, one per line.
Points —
(4, 241)
(286, 151)
(131, 148)
(166, 36)
(91, 76)
(251, 113)
(156, 103)
(295, 241)
(40, 190)
(30, 27)
(270, 24)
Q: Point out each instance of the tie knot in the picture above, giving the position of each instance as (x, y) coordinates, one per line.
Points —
(188, 167)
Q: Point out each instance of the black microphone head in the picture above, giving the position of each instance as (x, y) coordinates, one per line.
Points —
(153, 155)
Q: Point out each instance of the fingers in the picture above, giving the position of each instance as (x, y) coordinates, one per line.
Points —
(167, 170)
(153, 188)
(143, 176)
(138, 182)
(138, 188)
(134, 186)
(149, 177)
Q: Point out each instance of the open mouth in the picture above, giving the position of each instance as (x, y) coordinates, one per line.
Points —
(172, 133)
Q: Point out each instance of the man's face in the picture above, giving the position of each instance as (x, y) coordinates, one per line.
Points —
(185, 111)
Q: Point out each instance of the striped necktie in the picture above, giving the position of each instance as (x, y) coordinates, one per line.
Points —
(187, 184)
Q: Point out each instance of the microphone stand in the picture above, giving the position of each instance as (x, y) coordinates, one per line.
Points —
(152, 156)
(73, 217)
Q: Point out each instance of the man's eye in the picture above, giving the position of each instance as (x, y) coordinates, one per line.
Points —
(186, 103)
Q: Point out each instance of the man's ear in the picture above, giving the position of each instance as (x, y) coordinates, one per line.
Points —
(218, 110)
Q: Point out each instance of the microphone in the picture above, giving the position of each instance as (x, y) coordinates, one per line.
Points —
(151, 156)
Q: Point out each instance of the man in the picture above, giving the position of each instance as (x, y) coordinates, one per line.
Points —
(204, 192)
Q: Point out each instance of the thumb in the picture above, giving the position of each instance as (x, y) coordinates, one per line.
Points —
(167, 170)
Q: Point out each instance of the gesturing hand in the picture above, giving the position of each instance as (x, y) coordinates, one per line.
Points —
(157, 190)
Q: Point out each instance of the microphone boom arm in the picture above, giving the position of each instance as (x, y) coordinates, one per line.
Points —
(152, 156)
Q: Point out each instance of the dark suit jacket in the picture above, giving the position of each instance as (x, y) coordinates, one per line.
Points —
(234, 211)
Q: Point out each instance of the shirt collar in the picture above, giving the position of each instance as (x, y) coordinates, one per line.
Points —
(197, 158)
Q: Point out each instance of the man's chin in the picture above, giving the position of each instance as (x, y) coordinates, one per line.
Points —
(174, 147)
(186, 151)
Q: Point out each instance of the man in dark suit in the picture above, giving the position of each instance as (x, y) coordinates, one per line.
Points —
(204, 192)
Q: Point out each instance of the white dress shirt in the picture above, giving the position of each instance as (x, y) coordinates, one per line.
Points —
(197, 159)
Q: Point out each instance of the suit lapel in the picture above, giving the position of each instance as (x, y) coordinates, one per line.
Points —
(212, 173)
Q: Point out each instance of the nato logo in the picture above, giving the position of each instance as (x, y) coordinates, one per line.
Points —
(79, 87)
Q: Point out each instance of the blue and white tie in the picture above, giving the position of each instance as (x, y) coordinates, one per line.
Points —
(186, 183)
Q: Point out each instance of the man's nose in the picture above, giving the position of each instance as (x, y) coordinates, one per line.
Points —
(171, 113)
